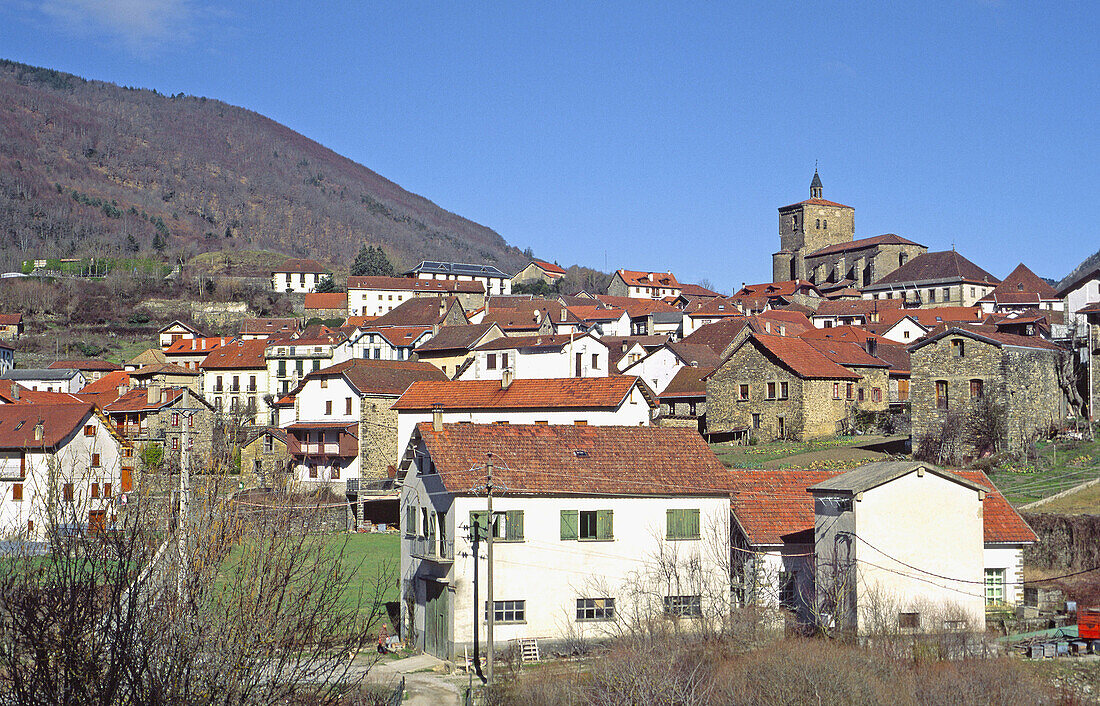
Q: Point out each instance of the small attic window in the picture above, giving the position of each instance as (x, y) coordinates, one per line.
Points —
(580, 453)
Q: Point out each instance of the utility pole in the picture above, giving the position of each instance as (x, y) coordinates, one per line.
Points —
(184, 518)
(475, 535)
(489, 578)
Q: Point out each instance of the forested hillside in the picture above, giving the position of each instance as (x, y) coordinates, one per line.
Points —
(89, 168)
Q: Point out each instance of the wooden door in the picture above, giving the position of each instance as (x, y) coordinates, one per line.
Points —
(435, 619)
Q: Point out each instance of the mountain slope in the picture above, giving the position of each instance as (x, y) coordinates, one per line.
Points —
(91, 168)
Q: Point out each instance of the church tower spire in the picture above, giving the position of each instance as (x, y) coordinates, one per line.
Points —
(815, 186)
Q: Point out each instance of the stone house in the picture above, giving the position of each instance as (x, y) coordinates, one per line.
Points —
(155, 415)
(684, 399)
(538, 271)
(166, 375)
(11, 326)
(1023, 291)
(780, 387)
(264, 457)
(643, 285)
(325, 305)
(449, 349)
(935, 279)
(956, 366)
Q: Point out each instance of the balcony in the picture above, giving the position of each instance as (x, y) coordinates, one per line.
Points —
(431, 548)
(339, 440)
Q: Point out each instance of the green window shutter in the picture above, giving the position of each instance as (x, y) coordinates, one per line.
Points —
(672, 527)
(570, 522)
(691, 523)
(479, 520)
(604, 529)
(515, 525)
(410, 520)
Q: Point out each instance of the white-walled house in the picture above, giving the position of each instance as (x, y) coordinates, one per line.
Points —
(547, 356)
(584, 518)
(288, 361)
(619, 400)
(47, 379)
(904, 545)
(495, 281)
(1078, 293)
(7, 358)
(235, 380)
(299, 276)
(60, 465)
(375, 296)
(340, 426)
(387, 342)
(177, 331)
(659, 367)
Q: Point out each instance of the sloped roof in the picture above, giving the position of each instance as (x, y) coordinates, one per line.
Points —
(524, 393)
(988, 334)
(872, 475)
(860, 244)
(533, 459)
(194, 346)
(855, 307)
(17, 423)
(699, 354)
(718, 335)
(108, 383)
(138, 401)
(236, 355)
(380, 377)
(1022, 285)
(847, 354)
(697, 290)
(148, 357)
(635, 278)
(40, 374)
(548, 267)
(303, 266)
(785, 288)
(800, 357)
(455, 338)
(1002, 524)
(457, 268)
(932, 317)
(418, 311)
(549, 342)
(85, 365)
(14, 393)
(272, 327)
(814, 202)
(852, 334)
(687, 382)
(326, 300)
(181, 324)
(635, 307)
(413, 284)
(162, 369)
(943, 265)
(716, 306)
(10, 319)
(595, 312)
(399, 336)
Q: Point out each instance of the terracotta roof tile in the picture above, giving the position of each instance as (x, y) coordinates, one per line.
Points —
(801, 358)
(17, 423)
(455, 338)
(549, 393)
(886, 239)
(413, 284)
(636, 307)
(418, 311)
(83, 365)
(326, 300)
(635, 278)
(548, 341)
(381, 377)
(548, 267)
(273, 327)
(138, 401)
(814, 202)
(778, 289)
(847, 354)
(718, 335)
(687, 382)
(855, 307)
(576, 460)
(1023, 281)
(237, 355)
(305, 266)
(194, 346)
(108, 383)
(10, 319)
(947, 264)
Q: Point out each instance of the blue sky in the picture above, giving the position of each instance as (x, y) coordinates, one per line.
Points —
(653, 135)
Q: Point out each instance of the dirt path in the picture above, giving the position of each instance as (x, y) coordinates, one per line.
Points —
(424, 685)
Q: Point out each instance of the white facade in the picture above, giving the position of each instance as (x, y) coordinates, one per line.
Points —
(493, 285)
(297, 282)
(657, 369)
(237, 390)
(540, 575)
(289, 361)
(585, 356)
(47, 380)
(1085, 293)
(375, 302)
(325, 402)
(82, 477)
(906, 330)
(396, 343)
(7, 359)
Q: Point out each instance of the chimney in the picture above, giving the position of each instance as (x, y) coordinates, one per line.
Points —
(563, 313)
(506, 378)
(39, 431)
(437, 417)
(152, 393)
(122, 390)
(15, 391)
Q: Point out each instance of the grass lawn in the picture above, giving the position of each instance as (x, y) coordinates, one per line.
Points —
(744, 456)
(1061, 467)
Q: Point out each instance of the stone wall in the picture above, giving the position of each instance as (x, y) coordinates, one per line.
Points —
(864, 266)
(1066, 542)
(1024, 380)
(377, 437)
(273, 468)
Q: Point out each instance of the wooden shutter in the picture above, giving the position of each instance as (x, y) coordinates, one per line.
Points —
(17, 491)
(570, 522)
(514, 529)
(604, 529)
(481, 522)
(672, 524)
(691, 523)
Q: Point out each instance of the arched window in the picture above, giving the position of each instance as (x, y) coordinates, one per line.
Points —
(903, 258)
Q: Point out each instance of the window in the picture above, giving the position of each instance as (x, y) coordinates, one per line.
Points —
(328, 407)
(958, 348)
(95, 460)
(595, 609)
(755, 420)
(491, 361)
(67, 492)
(595, 361)
(176, 443)
(941, 395)
(176, 419)
(909, 621)
(975, 389)
(825, 224)
(89, 430)
(251, 383)
(335, 472)
(849, 390)
(859, 395)
(507, 611)
(742, 392)
(771, 390)
(324, 383)
(817, 224)
(787, 590)
(503, 360)
(783, 390)
(95, 490)
(876, 394)
(682, 524)
(946, 294)
(17, 491)
(994, 586)
(507, 525)
(106, 490)
(684, 606)
(269, 443)
(836, 390)
(591, 524)
(347, 405)
(313, 471)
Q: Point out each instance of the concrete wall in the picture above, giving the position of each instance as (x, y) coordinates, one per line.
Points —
(539, 364)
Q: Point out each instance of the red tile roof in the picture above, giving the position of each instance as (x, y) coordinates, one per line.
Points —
(272, 327)
(10, 319)
(771, 505)
(716, 306)
(985, 333)
(194, 346)
(548, 393)
(1022, 281)
(634, 278)
(794, 322)
(886, 239)
(635, 307)
(17, 423)
(381, 377)
(138, 401)
(718, 335)
(411, 284)
(595, 312)
(847, 354)
(932, 317)
(455, 338)
(326, 300)
(575, 460)
(944, 265)
(1093, 308)
(548, 267)
(163, 369)
(359, 320)
(108, 383)
(687, 382)
(548, 341)
(697, 290)
(856, 307)
(304, 266)
(237, 355)
(814, 202)
(83, 365)
(778, 289)
(13, 392)
(800, 357)
(399, 336)
(418, 311)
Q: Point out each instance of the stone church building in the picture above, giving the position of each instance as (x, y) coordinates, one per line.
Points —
(817, 243)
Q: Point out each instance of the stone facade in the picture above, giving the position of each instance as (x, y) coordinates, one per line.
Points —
(265, 461)
(864, 265)
(1024, 380)
(377, 437)
(808, 226)
(812, 408)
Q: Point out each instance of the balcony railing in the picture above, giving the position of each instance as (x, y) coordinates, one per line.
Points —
(315, 448)
(431, 548)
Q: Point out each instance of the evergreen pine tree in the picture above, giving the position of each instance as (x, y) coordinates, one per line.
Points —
(371, 260)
